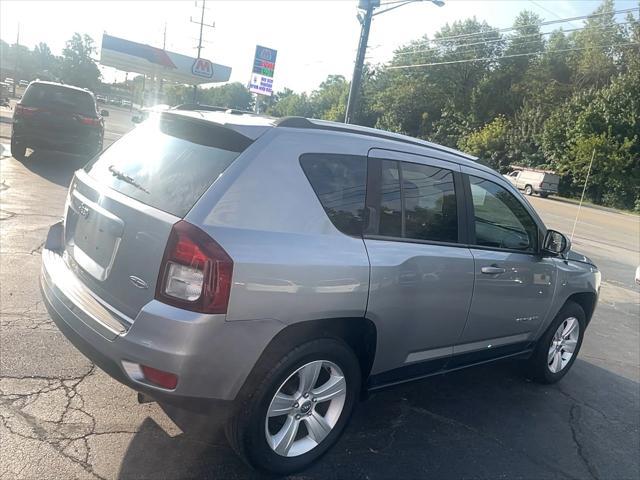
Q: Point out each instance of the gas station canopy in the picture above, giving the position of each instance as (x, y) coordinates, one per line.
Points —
(155, 62)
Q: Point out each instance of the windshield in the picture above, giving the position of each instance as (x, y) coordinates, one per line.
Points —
(168, 163)
(63, 98)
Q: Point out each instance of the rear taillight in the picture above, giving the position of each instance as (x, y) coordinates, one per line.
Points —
(195, 273)
(92, 122)
(21, 111)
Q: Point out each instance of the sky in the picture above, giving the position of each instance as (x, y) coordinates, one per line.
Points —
(313, 38)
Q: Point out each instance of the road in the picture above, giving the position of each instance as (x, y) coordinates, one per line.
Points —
(62, 418)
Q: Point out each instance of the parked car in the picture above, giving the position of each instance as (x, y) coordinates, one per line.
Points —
(531, 180)
(101, 98)
(8, 81)
(114, 101)
(126, 103)
(4, 94)
(23, 83)
(53, 116)
(275, 269)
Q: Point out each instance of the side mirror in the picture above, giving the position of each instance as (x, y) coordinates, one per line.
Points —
(556, 243)
(104, 113)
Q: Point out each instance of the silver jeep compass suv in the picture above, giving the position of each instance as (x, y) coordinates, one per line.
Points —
(276, 269)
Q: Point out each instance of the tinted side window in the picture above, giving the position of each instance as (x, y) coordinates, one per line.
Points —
(501, 221)
(430, 209)
(339, 181)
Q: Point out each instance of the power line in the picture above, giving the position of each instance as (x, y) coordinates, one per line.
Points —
(546, 10)
(501, 57)
(540, 24)
(510, 39)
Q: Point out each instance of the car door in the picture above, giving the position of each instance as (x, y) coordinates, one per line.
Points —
(421, 271)
(514, 284)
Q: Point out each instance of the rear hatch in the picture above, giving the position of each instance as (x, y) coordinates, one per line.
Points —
(122, 205)
(56, 110)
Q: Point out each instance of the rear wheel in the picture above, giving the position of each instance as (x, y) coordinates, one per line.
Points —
(528, 190)
(558, 348)
(18, 150)
(300, 408)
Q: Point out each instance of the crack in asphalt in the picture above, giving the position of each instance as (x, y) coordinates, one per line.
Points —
(6, 214)
(575, 413)
(29, 318)
(60, 433)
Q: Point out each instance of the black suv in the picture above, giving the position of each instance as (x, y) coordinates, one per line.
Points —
(57, 117)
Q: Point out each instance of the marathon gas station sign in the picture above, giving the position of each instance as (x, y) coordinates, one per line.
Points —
(264, 63)
(136, 57)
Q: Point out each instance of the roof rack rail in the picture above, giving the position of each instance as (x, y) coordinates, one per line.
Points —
(199, 106)
(235, 111)
(302, 122)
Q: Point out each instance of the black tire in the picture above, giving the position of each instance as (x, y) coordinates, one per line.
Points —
(528, 190)
(18, 150)
(245, 430)
(544, 195)
(537, 365)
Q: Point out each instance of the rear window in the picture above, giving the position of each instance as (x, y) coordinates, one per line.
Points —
(169, 163)
(55, 96)
(339, 181)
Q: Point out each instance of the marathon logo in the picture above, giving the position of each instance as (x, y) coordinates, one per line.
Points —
(202, 68)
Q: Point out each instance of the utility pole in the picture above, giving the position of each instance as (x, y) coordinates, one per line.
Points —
(368, 6)
(354, 90)
(15, 65)
(164, 37)
(202, 25)
(164, 47)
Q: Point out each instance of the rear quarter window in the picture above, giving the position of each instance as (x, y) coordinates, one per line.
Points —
(169, 162)
(339, 181)
(57, 96)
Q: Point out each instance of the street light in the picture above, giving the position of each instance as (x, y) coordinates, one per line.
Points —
(365, 21)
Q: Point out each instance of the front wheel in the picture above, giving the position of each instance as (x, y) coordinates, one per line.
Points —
(544, 195)
(558, 348)
(18, 150)
(299, 410)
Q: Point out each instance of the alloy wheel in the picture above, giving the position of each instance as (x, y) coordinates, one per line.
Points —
(563, 344)
(306, 408)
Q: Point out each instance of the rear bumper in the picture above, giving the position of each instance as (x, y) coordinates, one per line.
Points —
(211, 357)
(36, 138)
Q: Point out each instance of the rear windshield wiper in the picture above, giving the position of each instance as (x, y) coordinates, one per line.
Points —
(126, 178)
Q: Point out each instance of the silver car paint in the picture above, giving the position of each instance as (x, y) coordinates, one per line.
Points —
(291, 265)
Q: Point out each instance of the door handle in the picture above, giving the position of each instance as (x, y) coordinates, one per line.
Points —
(492, 270)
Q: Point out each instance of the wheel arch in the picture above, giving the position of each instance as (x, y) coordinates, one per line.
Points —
(359, 333)
(587, 300)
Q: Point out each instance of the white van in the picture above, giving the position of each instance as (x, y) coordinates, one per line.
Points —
(531, 180)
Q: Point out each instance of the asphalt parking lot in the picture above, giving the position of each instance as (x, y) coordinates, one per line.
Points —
(62, 418)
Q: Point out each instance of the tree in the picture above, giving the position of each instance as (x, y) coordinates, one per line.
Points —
(232, 95)
(489, 143)
(287, 103)
(78, 67)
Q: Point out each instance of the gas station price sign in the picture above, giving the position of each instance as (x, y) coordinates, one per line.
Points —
(264, 63)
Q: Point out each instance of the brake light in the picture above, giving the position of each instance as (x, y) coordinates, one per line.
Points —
(195, 273)
(21, 111)
(93, 122)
